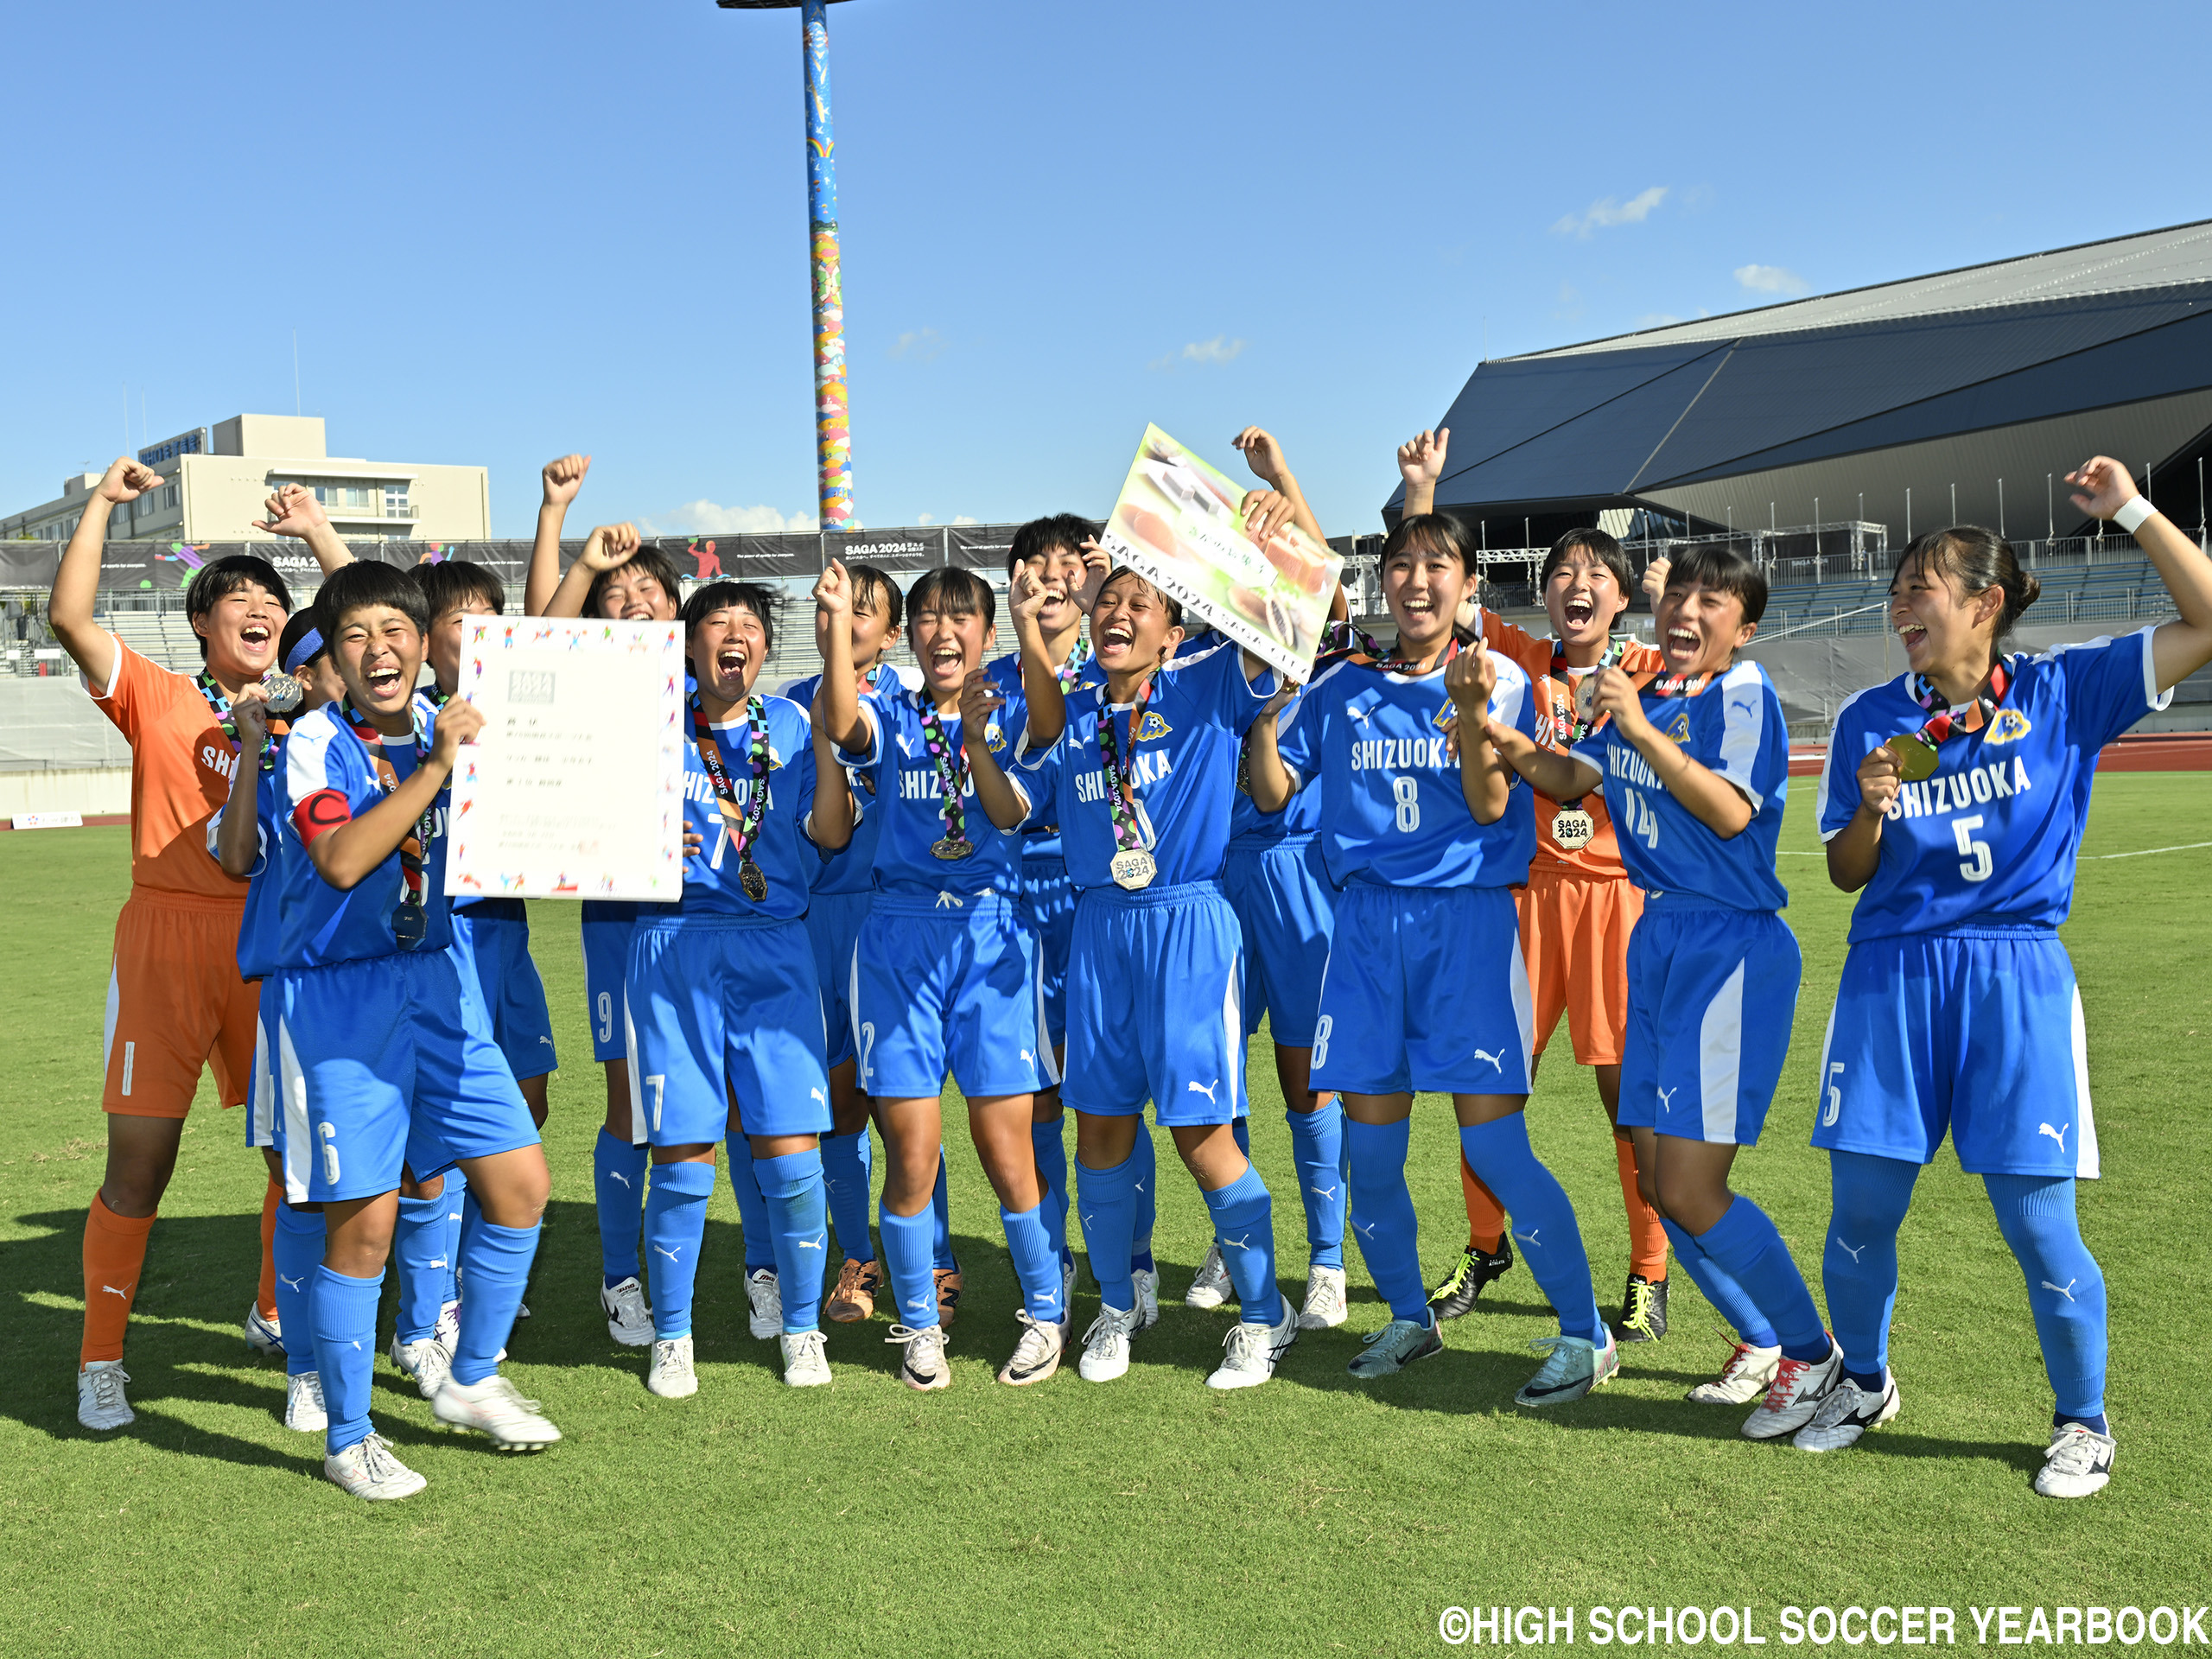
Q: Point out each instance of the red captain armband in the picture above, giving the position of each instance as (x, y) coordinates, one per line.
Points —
(323, 811)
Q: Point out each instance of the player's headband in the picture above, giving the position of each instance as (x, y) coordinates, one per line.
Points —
(309, 647)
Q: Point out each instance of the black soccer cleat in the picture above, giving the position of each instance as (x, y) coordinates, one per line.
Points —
(1465, 1283)
(1644, 1311)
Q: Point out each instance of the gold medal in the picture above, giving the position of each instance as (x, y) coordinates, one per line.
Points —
(1915, 757)
(755, 883)
(951, 849)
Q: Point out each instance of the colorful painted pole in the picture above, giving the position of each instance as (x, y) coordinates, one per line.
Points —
(832, 428)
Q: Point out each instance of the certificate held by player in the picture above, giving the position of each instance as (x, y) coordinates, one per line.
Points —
(575, 788)
(1176, 524)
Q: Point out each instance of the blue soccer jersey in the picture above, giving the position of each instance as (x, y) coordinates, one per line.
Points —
(1040, 837)
(329, 778)
(1990, 839)
(260, 928)
(1182, 759)
(1252, 830)
(1393, 812)
(909, 796)
(1733, 728)
(853, 871)
(784, 853)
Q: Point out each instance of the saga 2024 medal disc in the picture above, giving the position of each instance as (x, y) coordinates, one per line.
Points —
(280, 693)
(755, 883)
(1915, 757)
(949, 849)
(408, 924)
(1572, 827)
(1133, 869)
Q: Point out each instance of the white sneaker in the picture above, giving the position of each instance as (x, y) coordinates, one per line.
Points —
(806, 1363)
(1037, 1356)
(1252, 1349)
(671, 1374)
(1067, 1282)
(1106, 1346)
(447, 1331)
(924, 1367)
(304, 1406)
(1325, 1300)
(428, 1362)
(264, 1334)
(2078, 1463)
(100, 1404)
(1799, 1389)
(493, 1408)
(1211, 1287)
(1848, 1413)
(1146, 1280)
(627, 1320)
(1742, 1380)
(367, 1469)
(767, 1298)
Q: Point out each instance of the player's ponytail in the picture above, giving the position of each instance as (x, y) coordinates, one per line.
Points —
(1978, 559)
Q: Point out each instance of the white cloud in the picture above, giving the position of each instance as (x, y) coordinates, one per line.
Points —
(960, 519)
(920, 345)
(1207, 353)
(1771, 279)
(712, 519)
(925, 518)
(1610, 211)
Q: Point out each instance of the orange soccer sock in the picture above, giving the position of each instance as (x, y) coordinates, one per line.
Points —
(266, 1297)
(1647, 1234)
(114, 1251)
(1486, 1215)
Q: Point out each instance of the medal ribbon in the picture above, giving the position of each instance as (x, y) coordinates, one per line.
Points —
(951, 773)
(418, 839)
(1078, 658)
(1347, 639)
(1122, 796)
(744, 825)
(1942, 720)
(219, 704)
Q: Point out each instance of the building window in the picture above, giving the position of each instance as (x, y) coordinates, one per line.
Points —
(394, 501)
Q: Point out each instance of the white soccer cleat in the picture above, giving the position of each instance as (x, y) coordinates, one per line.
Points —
(2078, 1463)
(1067, 1282)
(495, 1408)
(1146, 1280)
(1252, 1349)
(628, 1320)
(1037, 1356)
(265, 1333)
(806, 1362)
(428, 1362)
(1742, 1380)
(367, 1469)
(672, 1374)
(924, 1367)
(100, 1404)
(1106, 1346)
(766, 1296)
(304, 1406)
(1798, 1391)
(1848, 1412)
(1325, 1300)
(447, 1331)
(1212, 1287)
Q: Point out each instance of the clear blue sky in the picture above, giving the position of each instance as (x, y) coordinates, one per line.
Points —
(504, 231)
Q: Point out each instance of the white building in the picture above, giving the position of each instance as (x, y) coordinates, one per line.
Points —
(219, 482)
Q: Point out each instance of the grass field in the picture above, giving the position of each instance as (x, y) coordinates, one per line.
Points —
(1314, 1516)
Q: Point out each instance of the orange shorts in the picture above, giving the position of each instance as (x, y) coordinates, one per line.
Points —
(175, 1003)
(1574, 939)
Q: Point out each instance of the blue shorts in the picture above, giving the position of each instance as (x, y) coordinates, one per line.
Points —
(385, 1062)
(723, 1019)
(1977, 1032)
(832, 927)
(1281, 894)
(262, 1115)
(936, 989)
(1712, 991)
(495, 948)
(1049, 898)
(1429, 995)
(607, 930)
(1155, 1005)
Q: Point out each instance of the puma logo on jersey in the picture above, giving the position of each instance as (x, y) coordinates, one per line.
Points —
(1666, 1095)
(1027, 1058)
(1744, 704)
(818, 1094)
(1151, 727)
(2057, 1134)
(906, 745)
(1496, 1061)
(1206, 1088)
(2065, 1290)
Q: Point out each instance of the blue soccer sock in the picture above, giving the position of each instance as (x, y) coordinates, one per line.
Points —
(798, 1215)
(849, 1179)
(2066, 1288)
(1389, 1235)
(618, 1182)
(456, 1197)
(1728, 1297)
(1144, 1192)
(941, 1209)
(418, 1250)
(1105, 1204)
(752, 1210)
(344, 1314)
(1868, 1196)
(1036, 1264)
(1244, 1222)
(1543, 1221)
(296, 1251)
(1749, 1247)
(1051, 1146)
(1317, 1147)
(907, 1262)
(498, 1267)
(675, 1227)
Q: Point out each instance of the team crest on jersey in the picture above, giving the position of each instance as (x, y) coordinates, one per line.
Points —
(2010, 726)
(994, 739)
(1680, 731)
(1151, 725)
(1447, 715)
